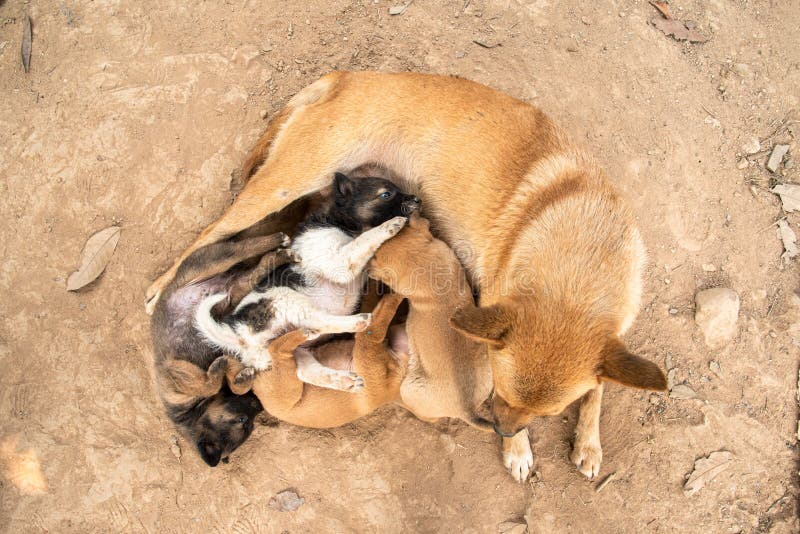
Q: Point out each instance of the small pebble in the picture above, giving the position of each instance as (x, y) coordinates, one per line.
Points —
(263, 113)
(743, 164)
(788, 164)
(752, 146)
(673, 311)
(82, 306)
(776, 157)
(709, 267)
(586, 21)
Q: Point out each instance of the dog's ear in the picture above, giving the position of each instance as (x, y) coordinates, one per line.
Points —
(342, 185)
(210, 452)
(627, 369)
(485, 324)
(189, 379)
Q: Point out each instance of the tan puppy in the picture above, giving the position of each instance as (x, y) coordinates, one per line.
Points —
(552, 248)
(284, 396)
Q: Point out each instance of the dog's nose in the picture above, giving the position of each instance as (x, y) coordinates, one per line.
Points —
(503, 434)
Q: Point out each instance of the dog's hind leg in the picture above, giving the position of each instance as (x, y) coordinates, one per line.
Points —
(283, 390)
(587, 454)
(310, 371)
(219, 257)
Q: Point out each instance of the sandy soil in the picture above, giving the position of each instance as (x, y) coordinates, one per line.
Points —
(135, 113)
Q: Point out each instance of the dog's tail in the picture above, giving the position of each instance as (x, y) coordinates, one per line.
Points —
(478, 422)
(218, 334)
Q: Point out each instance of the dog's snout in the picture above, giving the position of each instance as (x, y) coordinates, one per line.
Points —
(504, 434)
(410, 204)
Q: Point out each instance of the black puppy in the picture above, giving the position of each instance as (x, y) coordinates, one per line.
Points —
(322, 290)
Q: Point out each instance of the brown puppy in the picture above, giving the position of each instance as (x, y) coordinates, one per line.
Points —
(552, 248)
(284, 396)
(190, 374)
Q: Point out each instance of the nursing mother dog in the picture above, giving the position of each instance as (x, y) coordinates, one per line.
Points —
(549, 244)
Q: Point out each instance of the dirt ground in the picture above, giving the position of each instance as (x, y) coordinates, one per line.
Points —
(135, 113)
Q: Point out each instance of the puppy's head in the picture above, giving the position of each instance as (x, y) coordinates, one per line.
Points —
(542, 362)
(364, 203)
(218, 425)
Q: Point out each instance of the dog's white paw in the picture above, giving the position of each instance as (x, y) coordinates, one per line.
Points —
(363, 322)
(587, 456)
(285, 240)
(311, 334)
(518, 456)
(394, 225)
(245, 375)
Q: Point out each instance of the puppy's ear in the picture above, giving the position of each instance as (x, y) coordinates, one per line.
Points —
(189, 379)
(209, 452)
(486, 324)
(627, 369)
(342, 185)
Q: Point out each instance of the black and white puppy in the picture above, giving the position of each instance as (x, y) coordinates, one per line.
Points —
(322, 290)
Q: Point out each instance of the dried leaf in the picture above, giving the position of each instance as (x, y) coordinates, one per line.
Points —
(399, 9)
(679, 30)
(663, 8)
(286, 501)
(27, 37)
(705, 469)
(790, 196)
(95, 256)
(682, 392)
(484, 44)
(512, 527)
(789, 239)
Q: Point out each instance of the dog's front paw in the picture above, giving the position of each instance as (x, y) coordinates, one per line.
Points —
(218, 366)
(393, 226)
(518, 456)
(244, 376)
(311, 334)
(285, 240)
(354, 382)
(363, 322)
(587, 456)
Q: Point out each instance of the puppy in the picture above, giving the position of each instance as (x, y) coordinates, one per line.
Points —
(322, 291)
(216, 417)
(551, 247)
(286, 397)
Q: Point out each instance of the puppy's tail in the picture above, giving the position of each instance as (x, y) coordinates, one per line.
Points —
(218, 334)
(478, 422)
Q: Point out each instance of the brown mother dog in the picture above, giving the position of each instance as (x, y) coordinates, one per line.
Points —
(549, 244)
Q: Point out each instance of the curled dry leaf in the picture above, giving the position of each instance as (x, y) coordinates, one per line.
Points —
(789, 240)
(95, 256)
(662, 8)
(679, 30)
(790, 196)
(399, 9)
(682, 392)
(27, 38)
(705, 469)
(286, 501)
(512, 527)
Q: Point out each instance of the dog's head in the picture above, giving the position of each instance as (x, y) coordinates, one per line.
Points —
(363, 203)
(218, 425)
(543, 361)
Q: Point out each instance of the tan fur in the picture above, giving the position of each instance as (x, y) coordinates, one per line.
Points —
(554, 251)
(284, 396)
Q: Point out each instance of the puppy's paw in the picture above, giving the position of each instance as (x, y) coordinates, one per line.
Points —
(285, 240)
(351, 382)
(244, 376)
(393, 226)
(363, 322)
(218, 366)
(260, 362)
(311, 334)
(587, 456)
(518, 456)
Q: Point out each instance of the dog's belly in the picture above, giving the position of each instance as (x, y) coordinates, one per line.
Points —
(335, 298)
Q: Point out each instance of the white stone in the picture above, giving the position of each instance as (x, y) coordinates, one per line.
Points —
(716, 313)
(752, 146)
